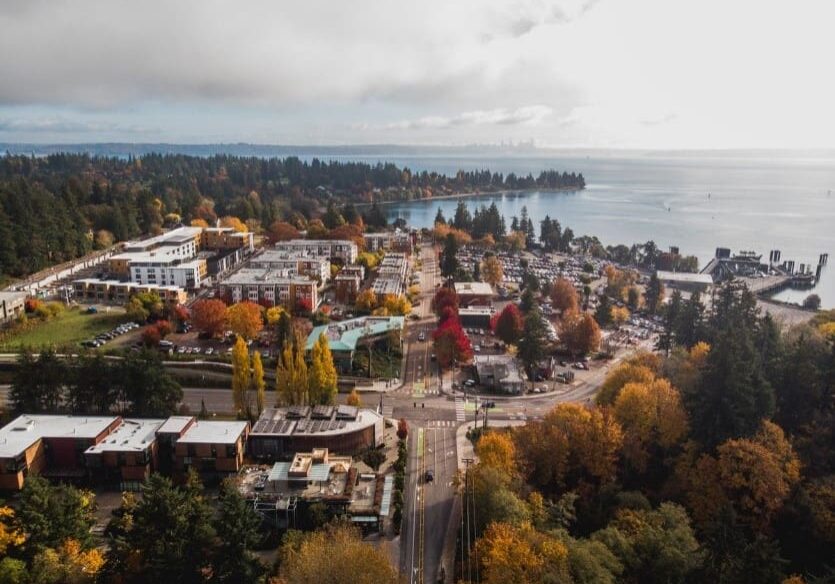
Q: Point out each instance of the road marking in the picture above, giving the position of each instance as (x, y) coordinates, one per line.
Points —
(460, 416)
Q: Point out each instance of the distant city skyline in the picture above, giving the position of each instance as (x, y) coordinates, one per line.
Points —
(569, 73)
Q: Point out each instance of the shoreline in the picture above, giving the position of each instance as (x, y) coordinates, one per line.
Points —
(468, 195)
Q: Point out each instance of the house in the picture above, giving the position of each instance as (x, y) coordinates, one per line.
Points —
(499, 373)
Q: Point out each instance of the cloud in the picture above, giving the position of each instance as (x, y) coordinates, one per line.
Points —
(527, 115)
(106, 54)
(60, 125)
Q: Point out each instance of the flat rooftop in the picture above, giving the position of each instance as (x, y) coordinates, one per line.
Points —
(131, 436)
(175, 424)
(685, 277)
(324, 421)
(178, 235)
(473, 288)
(254, 276)
(346, 334)
(25, 430)
(211, 432)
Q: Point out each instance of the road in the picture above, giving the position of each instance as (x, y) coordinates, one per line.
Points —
(429, 510)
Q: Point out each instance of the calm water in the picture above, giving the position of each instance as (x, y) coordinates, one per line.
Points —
(755, 203)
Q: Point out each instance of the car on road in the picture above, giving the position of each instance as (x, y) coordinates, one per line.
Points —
(470, 382)
(581, 365)
(422, 337)
(429, 476)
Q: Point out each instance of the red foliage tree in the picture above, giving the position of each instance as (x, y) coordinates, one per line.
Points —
(451, 344)
(445, 303)
(508, 325)
(303, 307)
(163, 328)
(151, 336)
(209, 316)
(282, 231)
(402, 429)
(181, 313)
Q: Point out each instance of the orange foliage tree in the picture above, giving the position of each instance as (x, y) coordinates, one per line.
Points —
(281, 231)
(209, 316)
(580, 333)
(564, 295)
(618, 377)
(571, 445)
(521, 555)
(234, 223)
(244, 319)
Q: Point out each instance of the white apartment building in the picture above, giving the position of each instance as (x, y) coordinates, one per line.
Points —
(337, 249)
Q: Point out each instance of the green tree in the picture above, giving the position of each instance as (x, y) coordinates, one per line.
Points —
(449, 259)
(145, 387)
(603, 313)
(532, 345)
(653, 294)
(53, 514)
(37, 386)
(237, 525)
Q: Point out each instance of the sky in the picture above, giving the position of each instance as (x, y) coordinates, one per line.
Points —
(666, 74)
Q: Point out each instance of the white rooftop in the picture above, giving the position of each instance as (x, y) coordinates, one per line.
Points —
(477, 288)
(254, 276)
(26, 429)
(203, 432)
(131, 436)
(175, 235)
(685, 277)
(175, 424)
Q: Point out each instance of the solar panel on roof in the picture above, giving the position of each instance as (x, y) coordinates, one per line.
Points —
(259, 426)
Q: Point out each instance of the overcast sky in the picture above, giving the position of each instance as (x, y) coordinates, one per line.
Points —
(599, 73)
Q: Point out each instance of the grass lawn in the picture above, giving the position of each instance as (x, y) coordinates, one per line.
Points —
(69, 328)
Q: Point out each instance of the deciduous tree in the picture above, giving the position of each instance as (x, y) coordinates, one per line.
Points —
(209, 316)
(580, 333)
(244, 319)
(508, 324)
(492, 271)
(258, 383)
(241, 375)
(564, 295)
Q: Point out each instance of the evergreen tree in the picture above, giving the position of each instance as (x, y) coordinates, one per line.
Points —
(462, 220)
(667, 338)
(532, 345)
(237, 526)
(653, 294)
(439, 217)
(449, 260)
(603, 313)
(689, 326)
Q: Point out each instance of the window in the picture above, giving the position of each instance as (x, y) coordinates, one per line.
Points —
(192, 450)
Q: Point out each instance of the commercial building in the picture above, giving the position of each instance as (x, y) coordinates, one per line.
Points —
(118, 292)
(685, 280)
(315, 267)
(112, 449)
(341, 250)
(12, 305)
(476, 317)
(280, 432)
(286, 489)
(213, 449)
(127, 455)
(345, 337)
(268, 287)
(474, 293)
(499, 373)
(51, 446)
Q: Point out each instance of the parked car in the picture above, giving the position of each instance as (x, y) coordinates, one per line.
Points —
(429, 476)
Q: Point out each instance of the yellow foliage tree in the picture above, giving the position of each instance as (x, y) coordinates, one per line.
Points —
(258, 381)
(10, 533)
(651, 416)
(620, 314)
(521, 555)
(354, 399)
(199, 223)
(492, 271)
(274, 314)
(619, 377)
(241, 376)
(69, 564)
(284, 377)
(234, 223)
(496, 450)
(397, 305)
(366, 301)
(570, 444)
(301, 559)
(300, 381)
(244, 319)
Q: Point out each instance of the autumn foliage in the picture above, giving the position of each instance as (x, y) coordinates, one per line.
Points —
(451, 343)
(244, 319)
(209, 316)
(508, 324)
(580, 333)
(564, 295)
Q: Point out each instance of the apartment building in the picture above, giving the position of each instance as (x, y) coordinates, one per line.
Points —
(12, 305)
(297, 264)
(398, 240)
(112, 449)
(342, 250)
(118, 292)
(270, 288)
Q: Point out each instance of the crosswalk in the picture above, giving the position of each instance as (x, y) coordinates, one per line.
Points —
(441, 424)
(460, 416)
